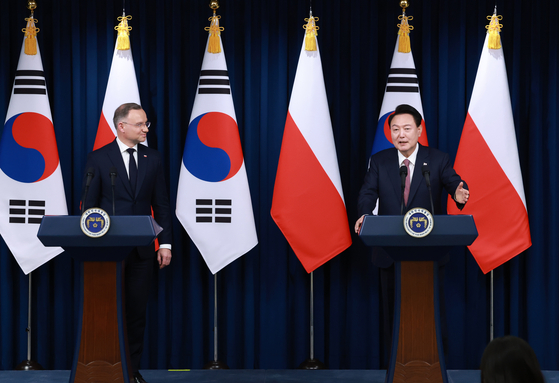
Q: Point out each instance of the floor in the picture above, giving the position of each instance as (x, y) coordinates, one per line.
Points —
(243, 376)
(250, 376)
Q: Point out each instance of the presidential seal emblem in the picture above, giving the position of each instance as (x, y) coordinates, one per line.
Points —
(418, 222)
(95, 222)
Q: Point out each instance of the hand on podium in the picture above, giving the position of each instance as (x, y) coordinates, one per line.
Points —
(359, 223)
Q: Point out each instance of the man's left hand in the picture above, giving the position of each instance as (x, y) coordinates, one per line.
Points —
(461, 195)
(163, 257)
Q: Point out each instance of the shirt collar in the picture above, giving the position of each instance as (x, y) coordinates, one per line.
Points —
(412, 157)
(123, 147)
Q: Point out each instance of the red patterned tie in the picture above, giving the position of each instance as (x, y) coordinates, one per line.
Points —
(407, 188)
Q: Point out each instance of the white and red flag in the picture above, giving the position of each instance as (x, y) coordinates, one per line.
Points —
(30, 172)
(213, 196)
(487, 159)
(122, 86)
(308, 203)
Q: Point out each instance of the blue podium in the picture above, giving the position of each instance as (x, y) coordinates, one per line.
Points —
(417, 354)
(101, 353)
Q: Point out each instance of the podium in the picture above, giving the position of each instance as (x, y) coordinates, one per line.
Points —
(417, 354)
(101, 351)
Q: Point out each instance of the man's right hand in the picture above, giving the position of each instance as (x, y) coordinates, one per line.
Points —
(359, 223)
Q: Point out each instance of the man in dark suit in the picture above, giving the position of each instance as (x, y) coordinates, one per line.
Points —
(139, 187)
(383, 182)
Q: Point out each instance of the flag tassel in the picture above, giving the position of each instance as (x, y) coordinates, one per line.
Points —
(123, 39)
(404, 44)
(214, 43)
(311, 33)
(494, 41)
(30, 36)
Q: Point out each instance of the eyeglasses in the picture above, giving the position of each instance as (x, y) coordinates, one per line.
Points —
(139, 125)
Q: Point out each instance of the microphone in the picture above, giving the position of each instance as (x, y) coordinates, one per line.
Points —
(113, 177)
(426, 174)
(89, 176)
(403, 175)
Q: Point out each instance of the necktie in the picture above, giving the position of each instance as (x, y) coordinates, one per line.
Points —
(407, 187)
(132, 169)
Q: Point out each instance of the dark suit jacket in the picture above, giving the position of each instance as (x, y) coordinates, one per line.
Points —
(151, 191)
(383, 181)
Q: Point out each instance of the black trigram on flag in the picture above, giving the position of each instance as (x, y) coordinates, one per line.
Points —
(30, 82)
(22, 211)
(209, 210)
(402, 80)
(214, 82)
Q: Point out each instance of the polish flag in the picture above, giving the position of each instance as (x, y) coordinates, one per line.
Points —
(308, 203)
(122, 88)
(487, 159)
(30, 172)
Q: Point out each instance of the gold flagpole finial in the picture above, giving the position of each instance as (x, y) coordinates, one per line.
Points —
(493, 29)
(404, 45)
(214, 45)
(31, 5)
(30, 30)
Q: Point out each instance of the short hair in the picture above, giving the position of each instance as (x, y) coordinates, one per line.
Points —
(510, 359)
(406, 109)
(122, 111)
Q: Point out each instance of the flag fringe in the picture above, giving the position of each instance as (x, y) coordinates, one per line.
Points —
(311, 33)
(214, 44)
(30, 36)
(404, 45)
(493, 29)
(123, 39)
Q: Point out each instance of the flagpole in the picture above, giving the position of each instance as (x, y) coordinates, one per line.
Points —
(215, 364)
(312, 363)
(491, 320)
(29, 364)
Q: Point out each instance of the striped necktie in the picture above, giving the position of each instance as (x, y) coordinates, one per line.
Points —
(407, 187)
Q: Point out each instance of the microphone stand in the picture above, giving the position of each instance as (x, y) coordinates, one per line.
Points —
(426, 174)
(90, 175)
(113, 176)
(83, 199)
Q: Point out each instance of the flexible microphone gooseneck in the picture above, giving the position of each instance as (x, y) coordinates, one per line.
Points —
(403, 175)
(427, 173)
(89, 176)
(113, 177)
